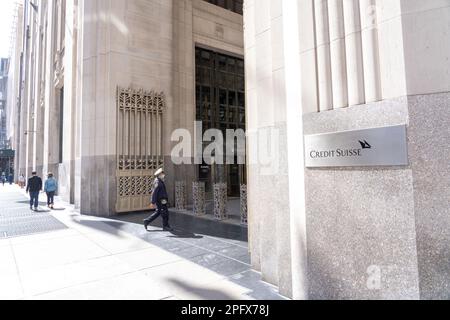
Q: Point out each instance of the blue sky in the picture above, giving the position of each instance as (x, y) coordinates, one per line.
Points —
(6, 15)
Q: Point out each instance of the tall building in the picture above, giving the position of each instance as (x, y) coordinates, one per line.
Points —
(13, 105)
(81, 58)
(6, 154)
(4, 67)
(345, 104)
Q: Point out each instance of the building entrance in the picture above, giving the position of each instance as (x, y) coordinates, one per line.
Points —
(220, 103)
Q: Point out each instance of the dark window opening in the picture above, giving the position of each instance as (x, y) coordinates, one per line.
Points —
(233, 5)
(220, 104)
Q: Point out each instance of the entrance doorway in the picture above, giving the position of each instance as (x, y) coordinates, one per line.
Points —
(220, 104)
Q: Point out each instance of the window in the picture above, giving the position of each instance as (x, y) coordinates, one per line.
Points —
(220, 90)
(232, 5)
(220, 104)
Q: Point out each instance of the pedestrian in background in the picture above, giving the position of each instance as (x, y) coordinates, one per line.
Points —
(34, 187)
(21, 181)
(50, 188)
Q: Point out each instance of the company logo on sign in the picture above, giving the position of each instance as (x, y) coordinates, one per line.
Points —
(341, 152)
(371, 147)
(365, 145)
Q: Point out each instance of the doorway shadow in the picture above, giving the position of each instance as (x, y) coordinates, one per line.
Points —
(191, 225)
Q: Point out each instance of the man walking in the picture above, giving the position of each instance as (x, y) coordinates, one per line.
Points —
(161, 200)
(34, 187)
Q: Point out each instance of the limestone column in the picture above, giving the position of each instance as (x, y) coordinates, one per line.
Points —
(323, 55)
(50, 140)
(371, 59)
(338, 55)
(353, 44)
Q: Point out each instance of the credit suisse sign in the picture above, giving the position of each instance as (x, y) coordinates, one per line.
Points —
(385, 146)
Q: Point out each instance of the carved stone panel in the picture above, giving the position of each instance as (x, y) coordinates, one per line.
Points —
(139, 146)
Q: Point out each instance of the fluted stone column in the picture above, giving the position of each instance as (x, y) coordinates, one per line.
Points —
(244, 219)
(370, 47)
(180, 195)
(353, 44)
(220, 201)
(338, 56)
(323, 55)
(198, 193)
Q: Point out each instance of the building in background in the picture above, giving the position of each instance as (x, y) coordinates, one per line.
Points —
(4, 67)
(13, 105)
(106, 83)
(6, 154)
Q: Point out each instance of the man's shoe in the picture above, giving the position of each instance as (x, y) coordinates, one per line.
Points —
(168, 229)
(146, 225)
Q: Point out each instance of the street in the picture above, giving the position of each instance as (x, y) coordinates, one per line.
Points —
(48, 255)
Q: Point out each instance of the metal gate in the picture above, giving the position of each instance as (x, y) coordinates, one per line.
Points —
(139, 146)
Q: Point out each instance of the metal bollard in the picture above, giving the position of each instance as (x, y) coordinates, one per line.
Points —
(180, 195)
(220, 201)
(198, 191)
(244, 209)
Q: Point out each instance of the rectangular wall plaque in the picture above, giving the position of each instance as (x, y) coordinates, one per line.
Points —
(372, 147)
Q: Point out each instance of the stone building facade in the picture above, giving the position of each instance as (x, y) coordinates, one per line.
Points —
(313, 67)
(97, 74)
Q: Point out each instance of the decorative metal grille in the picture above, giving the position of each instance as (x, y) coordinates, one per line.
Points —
(199, 198)
(220, 201)
(244, 212)
(180, 195)
(139, 146)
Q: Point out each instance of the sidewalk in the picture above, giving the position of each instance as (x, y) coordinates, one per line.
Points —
(69, 256)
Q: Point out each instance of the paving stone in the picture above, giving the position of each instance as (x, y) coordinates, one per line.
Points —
(191, 252)
(208, 260)
(229, 267)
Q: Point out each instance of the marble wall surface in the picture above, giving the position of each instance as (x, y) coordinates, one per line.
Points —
(355, 233)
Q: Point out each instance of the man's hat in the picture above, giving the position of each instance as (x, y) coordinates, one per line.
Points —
(50, 174)
(159, 171)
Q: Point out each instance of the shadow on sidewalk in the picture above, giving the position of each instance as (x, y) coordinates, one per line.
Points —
(192, 225)
(204, 294)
